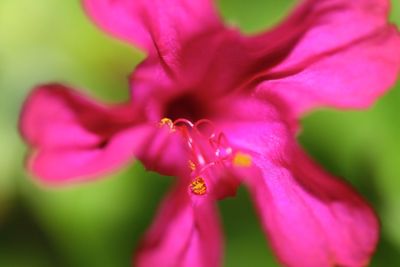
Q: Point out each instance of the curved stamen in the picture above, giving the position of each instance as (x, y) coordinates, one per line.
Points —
(183, 122)
(201, 138)
(167, 122)
(205, 128)
(223, 150)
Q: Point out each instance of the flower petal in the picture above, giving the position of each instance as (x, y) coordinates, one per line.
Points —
(74, 137)
(347, 43)
(351, 77)
(200, 70)
(318, 26)
(252, 123)
(185, 233)
(153, 25)
(311, 218)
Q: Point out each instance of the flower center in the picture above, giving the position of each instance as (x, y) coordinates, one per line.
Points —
(187, 106)
(207, 148)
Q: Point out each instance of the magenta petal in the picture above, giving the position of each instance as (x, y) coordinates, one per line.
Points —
(153, 25)
(74, 137)
(70, 164)
(256, 125)
(320, 26)
(55, 115)
(353, 76)
(185, 233)
(329, 53)
(312, 219)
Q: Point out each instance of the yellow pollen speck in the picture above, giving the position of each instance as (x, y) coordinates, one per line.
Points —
(168, 122)
(242, 160)
(198, 186)
(192, 166)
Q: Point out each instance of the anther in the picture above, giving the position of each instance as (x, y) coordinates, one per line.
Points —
(198, 186)
(167, 122)
(192, 166)
(242, 160)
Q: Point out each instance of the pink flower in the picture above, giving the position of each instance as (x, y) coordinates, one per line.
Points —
(215, 109)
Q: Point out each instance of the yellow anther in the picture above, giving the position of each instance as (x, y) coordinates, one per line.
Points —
(192, 166)
(242, 160)
(167, 122)
(198, 186)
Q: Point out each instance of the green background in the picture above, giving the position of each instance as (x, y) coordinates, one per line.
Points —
(98, 224)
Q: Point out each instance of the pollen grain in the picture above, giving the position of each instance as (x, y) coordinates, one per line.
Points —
(242, 160)
(192, 166)
(198, 186)
(167, 122)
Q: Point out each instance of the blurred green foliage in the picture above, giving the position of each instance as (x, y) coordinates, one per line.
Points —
(98, 224)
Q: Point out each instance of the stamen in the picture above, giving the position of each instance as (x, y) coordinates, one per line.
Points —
(222, 149)
(242, 160)
(198, 186)
(192, 166)
(205, 128)
(207, 149)
(183, 122)
(167, 122)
